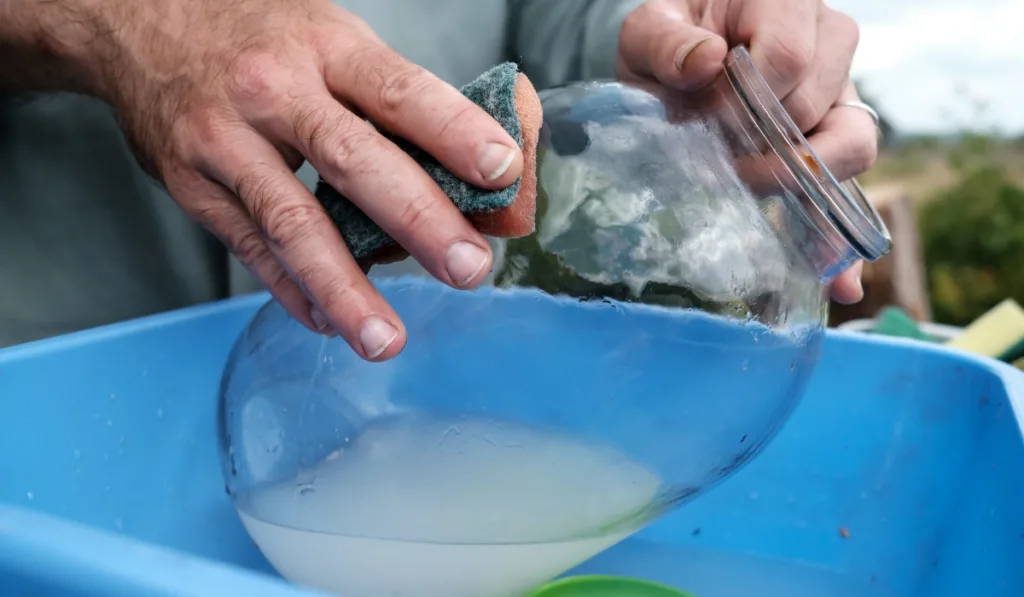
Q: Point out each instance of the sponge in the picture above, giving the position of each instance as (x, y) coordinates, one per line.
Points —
(509, 97)
(998, 333)
(893, 321)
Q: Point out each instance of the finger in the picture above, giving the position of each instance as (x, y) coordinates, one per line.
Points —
(848, 289)
(828, 73)
(846, 139)
(782, 35)
(408, 101)
(659, 41)
(221, 213)
(392, 189)
(309, 247)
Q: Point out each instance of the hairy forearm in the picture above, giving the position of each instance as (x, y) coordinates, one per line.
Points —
(52, 44)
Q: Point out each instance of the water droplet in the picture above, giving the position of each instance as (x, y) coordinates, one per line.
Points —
(31, 496)
(77, 453)
(746, 364)
(305, 489)
(753, 495)
(159, 413)
(113, 396)
(119, 524)
(110, 423)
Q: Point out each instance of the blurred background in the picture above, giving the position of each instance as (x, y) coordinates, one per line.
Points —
(947, 77)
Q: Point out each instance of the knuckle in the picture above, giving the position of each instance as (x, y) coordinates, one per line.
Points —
(333, 294)
(402, 83)
(358, 28)
(254, 188)
(199, 133)
(248, 246)
(343, 34)
(416, 214)
(790, 58)
(806, 113)
(209, 214)
(252, 75)
(862, 154)
(315, 124)
(335, 140)
(281, 219)
(285, 221)
(355, 153)
(846, 28)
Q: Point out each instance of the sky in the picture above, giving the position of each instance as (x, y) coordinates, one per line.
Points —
(938, 66)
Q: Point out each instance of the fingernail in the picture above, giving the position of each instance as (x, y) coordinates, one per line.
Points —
(376, 336)
(495, 160)
(683, 52)
(464, 261)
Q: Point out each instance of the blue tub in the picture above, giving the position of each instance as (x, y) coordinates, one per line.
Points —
(901, 475)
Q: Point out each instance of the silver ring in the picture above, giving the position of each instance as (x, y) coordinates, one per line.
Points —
(861, 105)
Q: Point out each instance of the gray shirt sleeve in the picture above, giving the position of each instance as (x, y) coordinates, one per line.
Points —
(558, 41)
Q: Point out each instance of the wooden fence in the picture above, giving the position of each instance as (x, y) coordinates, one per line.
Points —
(898, 279)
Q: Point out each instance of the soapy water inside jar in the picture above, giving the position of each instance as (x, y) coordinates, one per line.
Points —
(449, 507)
(650, 404)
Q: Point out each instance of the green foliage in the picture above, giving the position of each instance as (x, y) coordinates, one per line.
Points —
(973, 236)
(973, 152)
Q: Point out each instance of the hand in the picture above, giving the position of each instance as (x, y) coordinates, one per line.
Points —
(803, 48)
(222, 100)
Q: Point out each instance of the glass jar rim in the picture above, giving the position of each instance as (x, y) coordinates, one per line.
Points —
(843, 204)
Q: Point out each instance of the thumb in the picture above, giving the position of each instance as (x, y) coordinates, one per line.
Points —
(659, 41)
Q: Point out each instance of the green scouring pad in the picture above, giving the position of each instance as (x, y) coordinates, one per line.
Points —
(893, 321)
(507, 95)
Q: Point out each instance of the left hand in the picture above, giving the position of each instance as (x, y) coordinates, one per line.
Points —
(803, 48)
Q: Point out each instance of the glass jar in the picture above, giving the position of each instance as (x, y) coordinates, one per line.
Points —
(648, 339)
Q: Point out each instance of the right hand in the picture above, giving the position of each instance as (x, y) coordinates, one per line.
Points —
(804, 49)
(222, 100)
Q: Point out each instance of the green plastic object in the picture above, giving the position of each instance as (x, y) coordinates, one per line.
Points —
(606, 586)
(893, 321)
(1014, 353)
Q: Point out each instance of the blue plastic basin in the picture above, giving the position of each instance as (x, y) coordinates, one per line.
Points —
(901, 474)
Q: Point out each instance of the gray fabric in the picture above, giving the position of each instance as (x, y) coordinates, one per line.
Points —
(87, 239)
(567, 40)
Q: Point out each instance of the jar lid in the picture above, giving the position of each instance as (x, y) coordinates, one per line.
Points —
(843, 203)
(605, 586)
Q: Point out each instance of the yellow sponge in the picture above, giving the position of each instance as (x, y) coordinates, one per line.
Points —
(997, 334)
